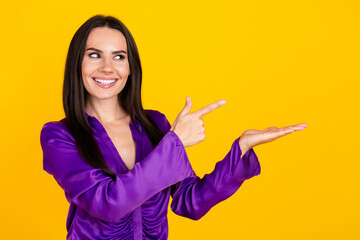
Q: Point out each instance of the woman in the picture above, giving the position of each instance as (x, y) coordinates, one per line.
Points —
(118, 163)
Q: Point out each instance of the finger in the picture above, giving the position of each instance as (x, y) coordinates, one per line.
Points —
(296, 127)
(209, 108)
(187, 107)
(287, 129)
(303, 125)
(270, 129)
(281, 132)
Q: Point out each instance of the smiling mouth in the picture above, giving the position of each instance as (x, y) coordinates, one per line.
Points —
(105, 81)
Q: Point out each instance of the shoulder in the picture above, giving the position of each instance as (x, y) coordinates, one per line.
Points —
(159, 119)
(55, 129)
(155, 115)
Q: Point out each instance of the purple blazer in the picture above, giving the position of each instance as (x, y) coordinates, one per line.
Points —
(134, 205)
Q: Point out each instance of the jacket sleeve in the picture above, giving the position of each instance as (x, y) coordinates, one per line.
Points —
(194, 197)
(100, 195)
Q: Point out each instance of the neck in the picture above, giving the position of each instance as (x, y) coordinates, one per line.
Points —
(105, 110)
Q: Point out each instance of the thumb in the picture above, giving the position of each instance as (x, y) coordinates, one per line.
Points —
(187, 107)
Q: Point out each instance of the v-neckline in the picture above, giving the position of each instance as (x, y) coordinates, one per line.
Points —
(116, 152)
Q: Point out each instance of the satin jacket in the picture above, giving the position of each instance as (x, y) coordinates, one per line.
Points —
(134, 205)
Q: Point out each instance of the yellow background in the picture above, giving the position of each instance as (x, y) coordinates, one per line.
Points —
(275, 62)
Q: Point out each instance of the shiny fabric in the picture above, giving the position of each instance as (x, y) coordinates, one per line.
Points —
(134, 206)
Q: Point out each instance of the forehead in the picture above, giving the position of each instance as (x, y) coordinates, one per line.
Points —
(106, 38)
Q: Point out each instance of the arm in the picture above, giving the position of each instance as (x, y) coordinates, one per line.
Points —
(98, 194)
(194, 197)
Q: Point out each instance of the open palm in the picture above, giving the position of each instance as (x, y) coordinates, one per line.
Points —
(253, 137)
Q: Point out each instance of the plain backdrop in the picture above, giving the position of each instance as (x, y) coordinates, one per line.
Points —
(276, 63)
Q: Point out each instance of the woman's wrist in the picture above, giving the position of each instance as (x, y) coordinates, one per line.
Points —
(243, 147)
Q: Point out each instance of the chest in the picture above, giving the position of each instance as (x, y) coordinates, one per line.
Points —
(122, 139)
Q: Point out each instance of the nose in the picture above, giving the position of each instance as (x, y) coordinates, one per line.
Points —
(106, 66)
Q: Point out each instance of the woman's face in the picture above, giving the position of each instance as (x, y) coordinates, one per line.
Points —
(105, 66)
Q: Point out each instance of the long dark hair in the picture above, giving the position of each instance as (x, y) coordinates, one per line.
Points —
(74, 93)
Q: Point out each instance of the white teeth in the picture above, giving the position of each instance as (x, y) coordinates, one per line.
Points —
(105, 81)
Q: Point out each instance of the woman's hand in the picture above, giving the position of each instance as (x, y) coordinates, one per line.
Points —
(253, 137)
(189, 127)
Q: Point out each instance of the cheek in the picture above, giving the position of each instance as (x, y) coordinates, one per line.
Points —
(86, 68)
(123, 69)
(85, 73)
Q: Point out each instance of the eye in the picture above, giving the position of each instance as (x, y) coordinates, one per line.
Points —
(93, 55)
(119, 57)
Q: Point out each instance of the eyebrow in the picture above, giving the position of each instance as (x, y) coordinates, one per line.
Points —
(98, 50)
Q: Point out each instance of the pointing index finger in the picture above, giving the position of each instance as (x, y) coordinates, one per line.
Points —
(209, 108)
